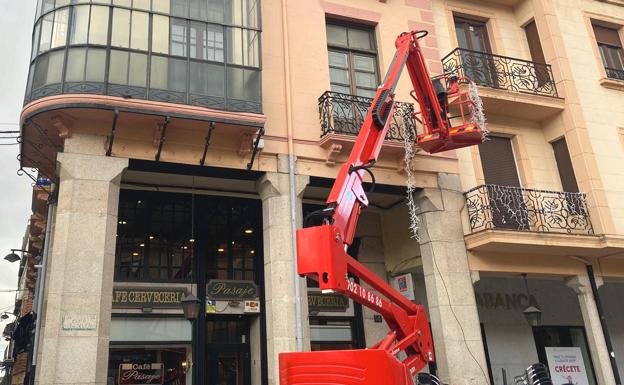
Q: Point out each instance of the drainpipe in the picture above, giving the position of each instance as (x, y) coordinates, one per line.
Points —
(603, 323)
(40, 289)
(291, 176)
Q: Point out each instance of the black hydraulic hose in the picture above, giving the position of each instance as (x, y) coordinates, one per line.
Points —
(603, 323)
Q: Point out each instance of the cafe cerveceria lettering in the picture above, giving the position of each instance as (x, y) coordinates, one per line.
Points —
(231, 290)
(147, 297)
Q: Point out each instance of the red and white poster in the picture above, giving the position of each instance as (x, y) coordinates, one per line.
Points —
(566, 366)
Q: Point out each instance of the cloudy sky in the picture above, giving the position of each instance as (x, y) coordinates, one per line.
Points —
(16, 21)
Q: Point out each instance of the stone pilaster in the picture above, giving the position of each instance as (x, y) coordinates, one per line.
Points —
(76, 320)
(593, 329)
(450, 294)
(279, 274)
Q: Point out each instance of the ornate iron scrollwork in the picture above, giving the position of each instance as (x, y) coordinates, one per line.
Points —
(515, 208)
(501, 72)
(343, 114)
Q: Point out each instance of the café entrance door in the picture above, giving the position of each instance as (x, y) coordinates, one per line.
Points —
(227, 351)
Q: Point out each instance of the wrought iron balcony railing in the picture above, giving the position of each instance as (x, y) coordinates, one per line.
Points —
(344, 114)
(501, 72)
(513, 208)
(614, 73)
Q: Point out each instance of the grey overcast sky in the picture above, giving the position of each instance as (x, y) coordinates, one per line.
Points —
(16, 22)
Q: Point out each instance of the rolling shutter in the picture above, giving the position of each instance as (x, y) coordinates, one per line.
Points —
(497, 160)
(564, 165)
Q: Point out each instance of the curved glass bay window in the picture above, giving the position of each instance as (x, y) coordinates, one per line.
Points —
(198, 52)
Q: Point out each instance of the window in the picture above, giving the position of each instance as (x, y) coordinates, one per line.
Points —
(611, 52)
(129, 68)
(331, 334)
(537, 54)
(85, 65)
(168, 364)
(476, 59)
(352, 59)
(48, 69)
(564, 166)
(168, 74)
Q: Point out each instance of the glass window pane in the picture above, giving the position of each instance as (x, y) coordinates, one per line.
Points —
(161, 6)
(31, 74)
(96, 65)
(244, 84)
(198, 40)
(243, 47)
(48, 5)
(199, 9)
(120, 33)
(336, 35)
(365, 63)
(118, 68)
(59, 32)
(365, 79)
(366, 93)
(55, 67)
(80, 24)
(338, 59)
(337, 75)
(179, 8)
(138, 70)
(242, 12)
(215, 11)
(160, 34)
(140, 30)
(35, 46)
(340, 88)
(168, 74)
(60, 3)
(178, 37)
(214, 43)
(46, 32)
(207, 79)
(359, 39)
(75, 65)
(141, 4)
(123, 3)
(98, 29)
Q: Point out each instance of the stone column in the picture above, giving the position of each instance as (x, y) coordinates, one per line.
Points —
(595, 338)
(279, 275)
(450, 294)
(78, 298)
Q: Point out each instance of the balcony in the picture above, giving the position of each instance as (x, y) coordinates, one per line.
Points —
(518, 209)
(614, 73)
(519, 87)
(343, 114)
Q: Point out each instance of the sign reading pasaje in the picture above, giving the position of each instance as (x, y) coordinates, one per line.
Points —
(141, 374)
(126, 297)
(219, 289)
(327, 302)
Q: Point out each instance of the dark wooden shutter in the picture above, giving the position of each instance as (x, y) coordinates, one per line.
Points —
(497, 160)
(607, 36)
(564, 165)
(535, 46)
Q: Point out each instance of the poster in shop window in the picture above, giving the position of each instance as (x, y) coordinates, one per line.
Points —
(141, 374)
(566, 366)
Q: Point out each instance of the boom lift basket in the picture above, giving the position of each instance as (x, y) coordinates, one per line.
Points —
(458, 112)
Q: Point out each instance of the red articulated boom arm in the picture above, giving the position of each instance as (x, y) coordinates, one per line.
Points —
(321, 249)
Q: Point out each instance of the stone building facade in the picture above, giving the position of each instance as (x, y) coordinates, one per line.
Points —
(183, 141)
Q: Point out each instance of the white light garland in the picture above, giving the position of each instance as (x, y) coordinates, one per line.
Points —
(409, 141)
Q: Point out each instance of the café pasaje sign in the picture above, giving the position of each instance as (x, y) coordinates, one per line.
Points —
(125, 297)
(219, 289)
(141, 374)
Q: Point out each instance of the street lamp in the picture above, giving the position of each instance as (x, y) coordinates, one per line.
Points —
(190, 306)
(12, 257)
(533, 315)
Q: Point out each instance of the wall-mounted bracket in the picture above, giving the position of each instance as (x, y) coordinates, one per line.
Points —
(161, 142)
(202, 161)
(111, 138)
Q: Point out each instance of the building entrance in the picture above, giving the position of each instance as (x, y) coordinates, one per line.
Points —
(227, 351)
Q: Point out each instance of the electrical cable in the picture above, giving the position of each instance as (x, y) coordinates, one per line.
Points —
(448, 296)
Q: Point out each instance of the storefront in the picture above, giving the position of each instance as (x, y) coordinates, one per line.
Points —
(170, 244)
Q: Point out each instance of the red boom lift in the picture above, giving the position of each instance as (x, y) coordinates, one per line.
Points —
(321, 249)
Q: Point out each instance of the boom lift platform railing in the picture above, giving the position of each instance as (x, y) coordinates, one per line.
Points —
(321, 249)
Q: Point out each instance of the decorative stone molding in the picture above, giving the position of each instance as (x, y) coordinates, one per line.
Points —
(332, 154)
(63, 125)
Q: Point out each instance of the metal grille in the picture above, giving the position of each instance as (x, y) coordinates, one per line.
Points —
(614, 73)
(501, 72)
(514, 208)
(343, 114)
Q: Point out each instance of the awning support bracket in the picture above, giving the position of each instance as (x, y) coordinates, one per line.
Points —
(162, 137)
(111, 138)
(202, 161)
(255, 148)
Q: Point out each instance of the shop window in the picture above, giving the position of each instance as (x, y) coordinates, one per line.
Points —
(153, 330)
(166, 365)
(352, 59)
(331, 334)
(611, 52)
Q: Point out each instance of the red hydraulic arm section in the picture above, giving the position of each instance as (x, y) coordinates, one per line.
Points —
(321, 250)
